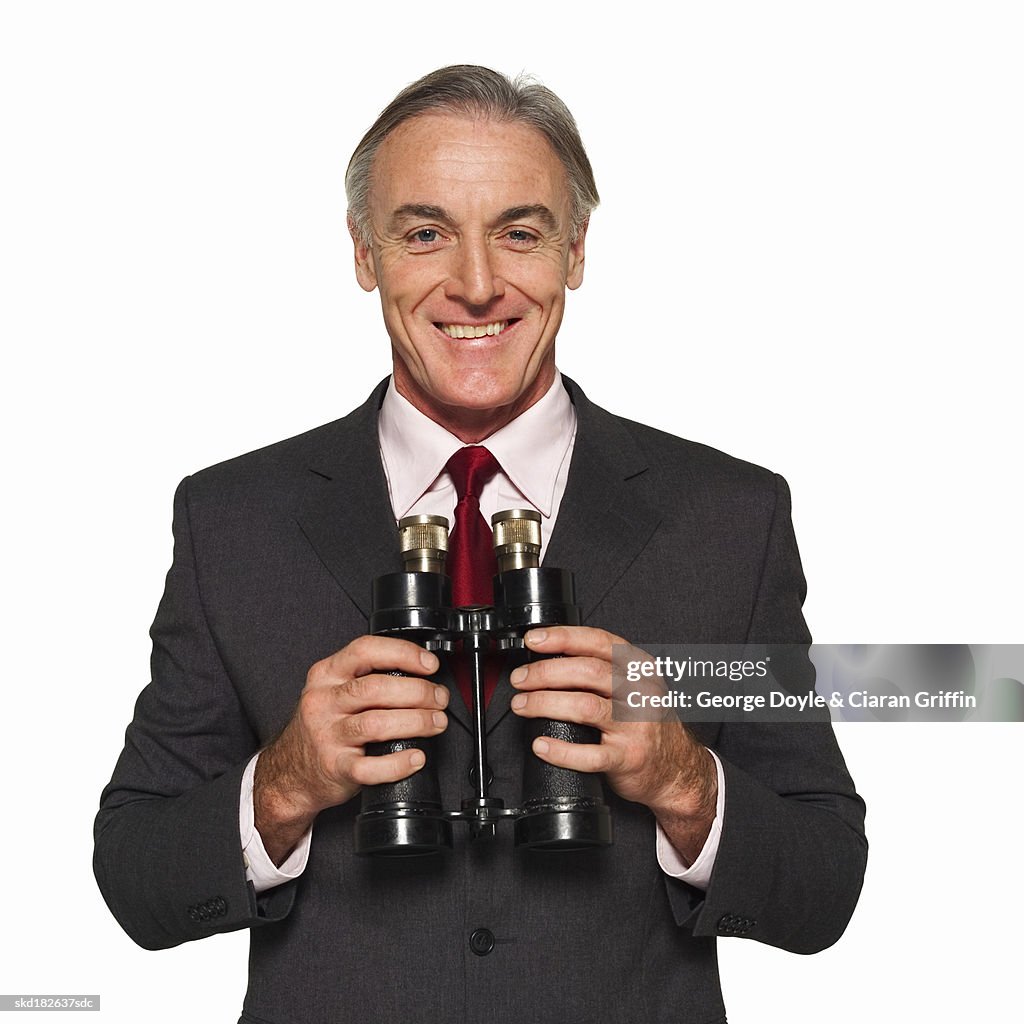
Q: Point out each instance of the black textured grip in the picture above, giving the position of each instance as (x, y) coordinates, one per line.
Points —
(545, 783)
(421, 787)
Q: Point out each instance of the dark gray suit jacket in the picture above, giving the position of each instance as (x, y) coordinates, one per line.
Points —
(671, 542)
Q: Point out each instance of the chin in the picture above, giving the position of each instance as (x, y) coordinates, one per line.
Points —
(484, 389)
(478, 399)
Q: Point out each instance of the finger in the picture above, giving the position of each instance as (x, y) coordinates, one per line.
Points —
(579, 757)
(584, 641)
(375, 771)
(379, 691)
(577, 707)
(377, 725)
(374, 654)
(574, 673)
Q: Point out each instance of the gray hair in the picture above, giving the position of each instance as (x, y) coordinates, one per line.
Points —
(475, 91)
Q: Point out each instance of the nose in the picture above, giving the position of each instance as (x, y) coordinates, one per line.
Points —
(474, 278)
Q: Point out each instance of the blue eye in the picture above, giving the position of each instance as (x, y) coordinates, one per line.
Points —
(426, 235)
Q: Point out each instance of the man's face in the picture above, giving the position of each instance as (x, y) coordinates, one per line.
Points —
(471, 252)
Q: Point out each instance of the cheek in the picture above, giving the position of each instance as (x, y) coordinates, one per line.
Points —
(543, 283)
(405, 296)
(405, 280)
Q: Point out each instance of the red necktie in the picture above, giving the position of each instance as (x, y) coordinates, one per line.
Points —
(471, 560)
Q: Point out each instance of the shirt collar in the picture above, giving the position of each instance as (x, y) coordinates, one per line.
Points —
(530, 449)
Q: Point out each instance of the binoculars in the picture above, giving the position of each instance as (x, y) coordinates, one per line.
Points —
(562, 809)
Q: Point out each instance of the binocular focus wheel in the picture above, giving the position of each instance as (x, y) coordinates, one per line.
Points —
(402, 833)
(573, 828)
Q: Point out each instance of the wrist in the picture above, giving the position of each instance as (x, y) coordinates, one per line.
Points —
(279, 799)
(690, 799)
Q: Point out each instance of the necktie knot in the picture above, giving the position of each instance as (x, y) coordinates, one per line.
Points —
(470, 468)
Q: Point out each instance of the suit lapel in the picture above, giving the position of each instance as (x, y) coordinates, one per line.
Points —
(605, 520)
(347, 518)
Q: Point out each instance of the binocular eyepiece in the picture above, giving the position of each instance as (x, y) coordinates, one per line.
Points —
(562, 809)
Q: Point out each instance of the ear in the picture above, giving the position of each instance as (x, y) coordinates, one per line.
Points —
(366, 272)
(574, 277)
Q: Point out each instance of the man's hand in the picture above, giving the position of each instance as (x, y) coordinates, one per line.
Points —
(659, 764)
(318, 761)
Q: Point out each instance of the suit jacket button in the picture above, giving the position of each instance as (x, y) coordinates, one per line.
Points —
(481, 941)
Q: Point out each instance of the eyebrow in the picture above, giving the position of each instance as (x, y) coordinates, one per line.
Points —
(424, 211)
(419, 211)
(537, 210)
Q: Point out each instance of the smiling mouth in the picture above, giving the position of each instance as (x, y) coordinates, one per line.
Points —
(475, 330)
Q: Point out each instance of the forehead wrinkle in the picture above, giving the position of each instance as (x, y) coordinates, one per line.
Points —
(433, 154)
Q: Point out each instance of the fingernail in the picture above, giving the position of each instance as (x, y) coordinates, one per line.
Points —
(418, 759)
(518, 701)
(518, 675)
(428, 660)
(536, 636)
(541, 746)
(440, 696)
(439, 718)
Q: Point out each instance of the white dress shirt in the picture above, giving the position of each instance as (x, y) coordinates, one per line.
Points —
(534, 452)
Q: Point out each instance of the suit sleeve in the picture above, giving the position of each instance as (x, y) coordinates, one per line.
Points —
(791, 860)
(168, 857)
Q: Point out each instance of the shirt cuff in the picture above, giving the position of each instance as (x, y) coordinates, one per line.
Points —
(697, 874)
(259, 868)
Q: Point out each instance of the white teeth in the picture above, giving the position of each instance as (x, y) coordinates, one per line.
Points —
(471, 331)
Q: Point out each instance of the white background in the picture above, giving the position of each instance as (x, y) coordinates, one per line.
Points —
(808, 254)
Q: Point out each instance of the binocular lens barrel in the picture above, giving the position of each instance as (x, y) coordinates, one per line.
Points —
(406, 818)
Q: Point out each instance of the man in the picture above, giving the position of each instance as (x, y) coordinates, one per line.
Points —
(469, 204)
